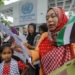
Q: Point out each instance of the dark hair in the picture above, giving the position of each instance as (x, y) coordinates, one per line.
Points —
(52, 8)
(10, 41)
(34, 26)
(49, 9)
(43, 27)
(4, 46)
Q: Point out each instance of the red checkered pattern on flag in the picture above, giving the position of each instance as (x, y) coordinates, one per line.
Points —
(52, 57)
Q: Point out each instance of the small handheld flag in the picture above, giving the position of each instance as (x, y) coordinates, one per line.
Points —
(67, 34)
(5, 29)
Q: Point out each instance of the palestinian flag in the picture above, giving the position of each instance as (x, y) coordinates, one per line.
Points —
(67, 34)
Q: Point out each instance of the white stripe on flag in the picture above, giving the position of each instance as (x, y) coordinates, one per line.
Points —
(67, 33)
(64, 35)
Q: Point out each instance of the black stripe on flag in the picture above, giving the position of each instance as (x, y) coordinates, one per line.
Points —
(72, 36)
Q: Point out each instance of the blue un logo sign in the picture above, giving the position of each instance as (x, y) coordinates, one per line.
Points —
(27, 8)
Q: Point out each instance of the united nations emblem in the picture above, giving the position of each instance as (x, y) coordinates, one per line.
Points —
(27, 8)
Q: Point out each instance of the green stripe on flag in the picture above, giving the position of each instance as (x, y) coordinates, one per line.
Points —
(60, 37)
(72, 19)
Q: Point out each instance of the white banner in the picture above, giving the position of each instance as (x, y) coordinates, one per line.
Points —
(27, 12)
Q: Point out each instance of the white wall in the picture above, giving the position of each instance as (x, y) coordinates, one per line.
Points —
(15, 14)
(41, 10)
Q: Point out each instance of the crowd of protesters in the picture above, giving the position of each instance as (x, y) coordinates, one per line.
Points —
(41, 45)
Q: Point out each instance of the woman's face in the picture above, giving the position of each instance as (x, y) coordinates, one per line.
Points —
(41, 31)
(25, 30)
(6, 54)
(52, 20)
(31, 29)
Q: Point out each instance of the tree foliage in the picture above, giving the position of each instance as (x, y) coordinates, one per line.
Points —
(6, 22)
(3, 20)
(1, 2)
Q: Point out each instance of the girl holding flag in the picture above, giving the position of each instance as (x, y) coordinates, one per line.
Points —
(50, 54)
(9, 66)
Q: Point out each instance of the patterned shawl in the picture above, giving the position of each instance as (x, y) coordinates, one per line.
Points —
(13, 68)
(52, 56)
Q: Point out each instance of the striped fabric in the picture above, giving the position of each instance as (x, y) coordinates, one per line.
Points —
(67, 34)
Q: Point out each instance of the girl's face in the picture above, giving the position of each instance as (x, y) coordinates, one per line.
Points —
(52, 20)
(7, 54)
(31, 29)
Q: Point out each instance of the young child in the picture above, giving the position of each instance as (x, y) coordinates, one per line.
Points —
(9, 66)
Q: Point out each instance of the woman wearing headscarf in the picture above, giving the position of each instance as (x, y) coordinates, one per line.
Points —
(52, 56)
(32, 34)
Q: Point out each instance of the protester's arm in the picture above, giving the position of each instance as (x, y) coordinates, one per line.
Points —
(73, 49)
(40, 71)
(45, 34)
(35, 53)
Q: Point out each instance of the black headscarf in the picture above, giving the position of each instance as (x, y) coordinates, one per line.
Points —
(30, 38)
